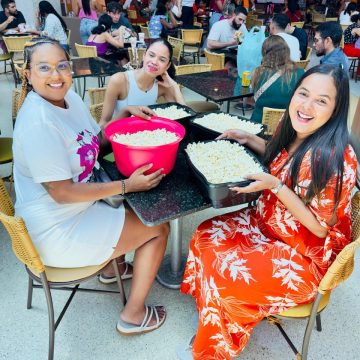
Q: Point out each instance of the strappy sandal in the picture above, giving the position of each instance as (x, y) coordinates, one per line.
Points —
(125, 328)
(184, 352)
(112, 279)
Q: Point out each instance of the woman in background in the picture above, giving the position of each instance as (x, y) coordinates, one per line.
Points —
(89, 19)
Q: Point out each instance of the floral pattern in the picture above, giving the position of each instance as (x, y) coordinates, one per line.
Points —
(256, 262)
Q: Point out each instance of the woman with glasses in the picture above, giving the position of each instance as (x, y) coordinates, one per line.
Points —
(56, 145)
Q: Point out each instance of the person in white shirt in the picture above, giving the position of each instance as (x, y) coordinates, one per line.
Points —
(345, 15)
(277, 27)
(226, 33)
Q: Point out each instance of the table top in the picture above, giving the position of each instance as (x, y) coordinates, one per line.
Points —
(216, 85)
(177, 194)
(84, 67)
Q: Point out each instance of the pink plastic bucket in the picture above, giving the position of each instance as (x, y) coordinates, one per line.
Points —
(129, 158)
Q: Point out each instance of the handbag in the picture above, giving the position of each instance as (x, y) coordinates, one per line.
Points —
(266, 85)
(99, 175)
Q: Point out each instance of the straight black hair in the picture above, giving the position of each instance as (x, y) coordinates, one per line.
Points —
(46, 8)
(86, 6)
(331, 29)
(326, 146)
(6, 3)
(104, 24)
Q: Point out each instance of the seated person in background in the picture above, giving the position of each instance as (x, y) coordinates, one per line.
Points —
(301, 35)
(89, 19)
(277, 27)
(115, 11)
(260, 261)
(229, 11)
(176, 9)
(10, 17)
(216, 7)
(351, 39)
(158, 26)
(345, 16)
(145, 85)
(101, 38)
(51, 24)
(199, 8)
(274, 80)
(327, 43)
(56, 146)
(293, 11)
(225, 33)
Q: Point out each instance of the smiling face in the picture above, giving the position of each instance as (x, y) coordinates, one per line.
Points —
(156, 59)
(312, 104)
(48, 73)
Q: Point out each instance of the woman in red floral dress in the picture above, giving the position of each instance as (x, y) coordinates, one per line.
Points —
(256, 262)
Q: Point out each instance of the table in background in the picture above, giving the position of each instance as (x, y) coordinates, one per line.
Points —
(217, 86)
(176, 196)
(96, 67)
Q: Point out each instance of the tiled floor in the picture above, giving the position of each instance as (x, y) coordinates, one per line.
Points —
(88, 329)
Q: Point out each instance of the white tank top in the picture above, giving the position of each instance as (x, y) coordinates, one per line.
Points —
(137, 96)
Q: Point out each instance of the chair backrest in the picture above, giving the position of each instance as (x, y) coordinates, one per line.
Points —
(192, 37)
(271, 118)
(15, 44)
(192, 69)
(96, 95)
(342, 42)
(331, 19)
(298, 24)
(6, 204)
(96, 111)
(145, 30)
(68, 35)
(136, 56)
(177, 45)
(85, 51)
(216, 60)
(343, 265)
(258, 22)
(344, 27)
(132, 14)
(318, 18)
(15, 103)
(308, 53)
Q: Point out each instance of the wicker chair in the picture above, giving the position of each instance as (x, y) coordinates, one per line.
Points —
(192, 69)
(145, 30)
(338, 272)
(5, 58)
(15, 104)
(192, 42)
(96, 95)
(178, 45)
(86, 51)
(270, 119)
(304, 63)
(136, 56)
(96, 111)
(48, 277)
(298, 24)
(216, 60)
(134, 19)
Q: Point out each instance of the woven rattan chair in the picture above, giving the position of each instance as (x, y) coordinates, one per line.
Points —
(136, 56)
(49, 277)
(304, 63)
(338, 272)
(86, 51)
(5, 58)
(298, 24)
(134, 19)
(216, 60)
(192, 42)
(96, 95)
(145, 30)
(178, 45)
(192, 68)
(270, 119)
(96, 111)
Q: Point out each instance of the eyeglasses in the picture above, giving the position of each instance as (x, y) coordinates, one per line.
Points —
(63, 68)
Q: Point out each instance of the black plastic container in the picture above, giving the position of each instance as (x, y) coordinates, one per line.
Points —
(220, 195)
(201, 133)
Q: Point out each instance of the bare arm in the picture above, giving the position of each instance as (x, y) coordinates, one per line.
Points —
(172, 19)
(115, 42)
(4, 25)
(214, 44)
(166, 24)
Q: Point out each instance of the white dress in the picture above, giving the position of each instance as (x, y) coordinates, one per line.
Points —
(53, 144)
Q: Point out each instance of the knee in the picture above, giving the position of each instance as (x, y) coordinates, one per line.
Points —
(164, 230)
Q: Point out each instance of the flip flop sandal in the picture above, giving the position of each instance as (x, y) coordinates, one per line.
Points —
(126, 329)
(184, 352)
(112, 279)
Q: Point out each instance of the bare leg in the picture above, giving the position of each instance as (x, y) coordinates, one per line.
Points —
(150, 245)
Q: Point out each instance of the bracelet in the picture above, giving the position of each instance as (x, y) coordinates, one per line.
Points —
(123, 188)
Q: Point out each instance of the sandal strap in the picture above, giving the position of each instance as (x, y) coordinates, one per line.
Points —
(149, 315)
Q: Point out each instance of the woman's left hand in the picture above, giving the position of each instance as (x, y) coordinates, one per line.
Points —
(262, 181)
(166, 81)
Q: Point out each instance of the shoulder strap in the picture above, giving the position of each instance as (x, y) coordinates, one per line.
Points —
(266, 85)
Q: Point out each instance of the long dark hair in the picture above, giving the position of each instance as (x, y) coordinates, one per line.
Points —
(104, 24)
(86, 6)
(45, 8)
(326, 145)
(171, 69)
(351, 7)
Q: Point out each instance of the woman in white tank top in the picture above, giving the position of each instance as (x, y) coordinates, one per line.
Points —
(143, 86)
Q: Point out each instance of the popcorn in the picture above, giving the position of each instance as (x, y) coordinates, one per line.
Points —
(222, 161)
(171, 112)
(220, 122)
(146, 138)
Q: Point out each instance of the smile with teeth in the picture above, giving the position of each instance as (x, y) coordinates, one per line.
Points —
(304, 117)
(56, 86)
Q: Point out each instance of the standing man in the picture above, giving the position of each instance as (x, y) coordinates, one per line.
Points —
(10, 18)
(187, 14)
(327, 41)
(277, 27)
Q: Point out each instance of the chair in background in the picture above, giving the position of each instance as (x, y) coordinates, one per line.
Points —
(136, 56)
(96, 95)
(96, 111)
(5, 58)
(192, 42)
(145, 30)
(270, 119)
(216, 60)
(298, 24)
(15, 104)
(353, 61)
(178, 45)
(49, 277)
(134, 19)
(304, 63)
(339, 271)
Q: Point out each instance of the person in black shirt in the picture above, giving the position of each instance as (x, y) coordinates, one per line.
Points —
(10, 18)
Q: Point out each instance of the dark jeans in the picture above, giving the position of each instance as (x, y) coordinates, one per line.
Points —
(187, 17)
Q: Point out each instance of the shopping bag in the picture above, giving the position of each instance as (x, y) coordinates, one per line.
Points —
(249, 51)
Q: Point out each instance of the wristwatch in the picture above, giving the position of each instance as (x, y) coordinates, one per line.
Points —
(277, 188)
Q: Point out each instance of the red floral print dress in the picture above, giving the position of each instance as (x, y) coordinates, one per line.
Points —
(252, 263)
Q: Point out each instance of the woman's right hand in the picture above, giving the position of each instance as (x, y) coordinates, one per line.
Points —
(138, 181)
(240, 136)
